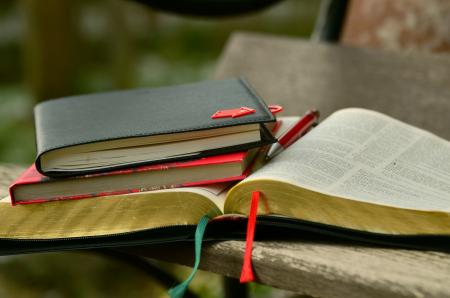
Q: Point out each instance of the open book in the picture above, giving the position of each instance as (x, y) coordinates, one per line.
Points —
(357, 171)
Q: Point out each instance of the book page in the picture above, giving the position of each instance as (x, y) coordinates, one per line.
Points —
(367, 156)
(110, 215)
(216, 193)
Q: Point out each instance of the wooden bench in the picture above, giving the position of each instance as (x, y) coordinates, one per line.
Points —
(300, 75)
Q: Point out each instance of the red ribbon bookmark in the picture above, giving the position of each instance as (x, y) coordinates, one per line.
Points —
(247, 269)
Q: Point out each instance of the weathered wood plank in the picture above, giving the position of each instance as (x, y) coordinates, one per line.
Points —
(323, 269)
(299, 75)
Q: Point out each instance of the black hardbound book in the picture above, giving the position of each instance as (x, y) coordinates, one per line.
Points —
(105, 131)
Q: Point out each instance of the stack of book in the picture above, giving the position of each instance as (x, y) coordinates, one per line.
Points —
(359, 174)
(143, 140)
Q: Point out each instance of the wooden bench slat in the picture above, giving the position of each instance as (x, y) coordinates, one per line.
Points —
(323, 269)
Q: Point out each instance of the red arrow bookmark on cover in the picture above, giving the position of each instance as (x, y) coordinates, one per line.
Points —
(242, 111)
(233, 113)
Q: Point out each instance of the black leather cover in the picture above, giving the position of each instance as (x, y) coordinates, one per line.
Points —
(144, 112)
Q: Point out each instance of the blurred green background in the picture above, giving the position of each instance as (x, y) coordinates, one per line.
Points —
(54, 48)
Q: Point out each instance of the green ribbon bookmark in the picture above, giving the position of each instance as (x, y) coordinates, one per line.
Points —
(179, 290)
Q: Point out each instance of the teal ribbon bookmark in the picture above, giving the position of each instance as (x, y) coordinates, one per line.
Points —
(179, 290)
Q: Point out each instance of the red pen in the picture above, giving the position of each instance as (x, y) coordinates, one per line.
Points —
(293, 134)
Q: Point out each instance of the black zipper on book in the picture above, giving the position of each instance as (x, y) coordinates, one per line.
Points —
(338, 234)
(165, 234)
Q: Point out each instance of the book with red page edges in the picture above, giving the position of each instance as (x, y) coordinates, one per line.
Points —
(33, 187)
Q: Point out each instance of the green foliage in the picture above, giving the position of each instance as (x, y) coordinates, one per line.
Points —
(160, 49)
(16, 126)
